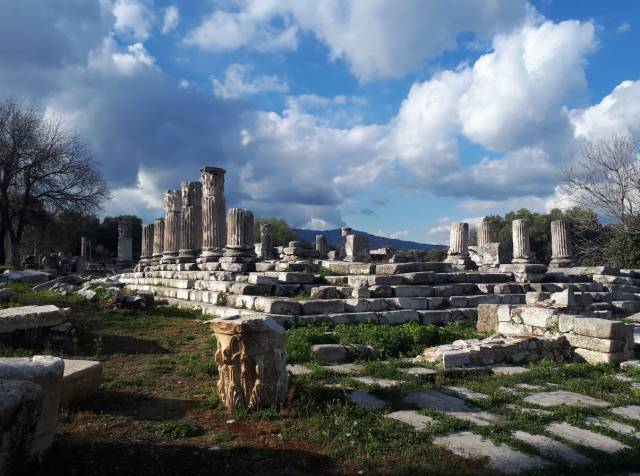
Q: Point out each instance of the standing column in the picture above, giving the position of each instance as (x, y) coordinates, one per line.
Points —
(321, 244)
(158, 240)
(561, 249)
(458, 254)
(342, 251)
(266, 241)
(239, 234)
(484, 233)
(125, 243)
(521, 245)
(172, 225)
(214, 224)
(146, 248)
(84, 247)
(191, 231)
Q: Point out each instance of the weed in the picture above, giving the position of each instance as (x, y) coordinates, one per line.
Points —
(177, 429)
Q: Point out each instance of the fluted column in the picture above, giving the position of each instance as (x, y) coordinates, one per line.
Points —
(459, 240)
(191, 231)
(266, 241)
(342, 251)
(521, 246)
(321, 244)
(484, 233)
(214, 223)
(172, 226)
(561, 249)
(125, 242)
(146, 246)
(239, 233)
(158, 239)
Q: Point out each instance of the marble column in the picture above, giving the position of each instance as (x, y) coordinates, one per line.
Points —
(239, 234)
(158, 240)
(214, 223)
(458, 254)
(191, 231)
(342, 250)
(146, 248)
(172, 226)
(321, 244)
(484, 233)
(561, 249)
(521, 246)
(266, 241)
(85, 247)
(344, 231)
(125, 241)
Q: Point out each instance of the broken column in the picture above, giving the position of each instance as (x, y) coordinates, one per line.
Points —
(342, 251)
(158, 240)
(521, 246)
(172, 226)
(146, 249)
(191, 230)
(357, 248)
(458, 254)
(239, 253)
(252, 362)
(561, 250)
(214, 224)
(267, 251)
(321, 245)
(125, 242)
(484, 233)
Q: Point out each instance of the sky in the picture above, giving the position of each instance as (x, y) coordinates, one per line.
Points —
(395, 117)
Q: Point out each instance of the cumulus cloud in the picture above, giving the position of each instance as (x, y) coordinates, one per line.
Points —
(393, 234)
(377, 38)
(134, 18)
(170, 19)
(623, 27)
(237, 83)
(440, 232)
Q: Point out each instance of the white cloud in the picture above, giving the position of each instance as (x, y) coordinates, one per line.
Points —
(623, 27)
(377, 38)
(170, 19)
(393, 234)
(338, 111)
(133, 18)
(147, 192)
(617, 113)
(440, 232)
(236, 83)
(111, 60)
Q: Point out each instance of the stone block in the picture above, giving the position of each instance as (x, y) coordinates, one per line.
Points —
(565, 322)
(399, 317)
(602, 328)
(81, 379)
(277, 306)
(487, 318)
(46, 371)
(594, 343)
(30, 317)
(323, 292)
(539, 317)
(455, 358)
(263, 280)
(381, 291)
(295, 278)
(322, 306)
(593, 357)
(437, 316)
(504, 312)
(510, 329)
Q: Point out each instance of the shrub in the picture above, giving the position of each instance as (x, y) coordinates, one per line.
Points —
(624, 250)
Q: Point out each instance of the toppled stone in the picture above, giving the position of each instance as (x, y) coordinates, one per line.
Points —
(45, 371)
(338, 353)
(81, 379)
(344, 368)
(465, 393)
(508, 369)
(421, 372)
(380, 382)
(550, 448)
(632, 412)
(26, 276)
(593, 357)
(581, 437)
(30, 317)
(412, 418)
(562, 397)
(367, 400)
(613, 426)
(501, 457)
(296, 369)
(5, 294)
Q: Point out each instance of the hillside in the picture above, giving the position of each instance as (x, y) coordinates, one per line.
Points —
(333, 237)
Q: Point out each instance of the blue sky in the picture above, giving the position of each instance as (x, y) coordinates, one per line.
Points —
(394, 117)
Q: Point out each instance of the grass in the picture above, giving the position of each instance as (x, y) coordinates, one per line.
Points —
(158, 407)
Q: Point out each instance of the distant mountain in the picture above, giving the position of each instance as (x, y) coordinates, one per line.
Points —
(334, 237)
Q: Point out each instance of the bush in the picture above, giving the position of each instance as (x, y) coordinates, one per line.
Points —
(624, 250)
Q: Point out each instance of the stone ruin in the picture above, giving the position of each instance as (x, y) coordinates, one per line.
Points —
(204, 256)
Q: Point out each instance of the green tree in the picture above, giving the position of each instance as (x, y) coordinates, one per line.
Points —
(282, 233)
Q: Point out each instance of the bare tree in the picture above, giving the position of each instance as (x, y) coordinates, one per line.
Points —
(606, 179)
(42, 167)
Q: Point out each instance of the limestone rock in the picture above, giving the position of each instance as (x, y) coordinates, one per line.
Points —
(80, 380)
(252, 362)
(26, 276)
(487, 318)
(338, 353)
(30, 317)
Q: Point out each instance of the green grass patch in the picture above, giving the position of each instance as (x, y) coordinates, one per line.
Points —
(177, 429)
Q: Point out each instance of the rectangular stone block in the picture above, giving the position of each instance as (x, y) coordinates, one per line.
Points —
(593, 357)
(323, 306)
(455, 358)
(487, 318)
(399, 317)
(602, 328)
(594, 343)
(539, 317)
(295, 278)
(509, 329)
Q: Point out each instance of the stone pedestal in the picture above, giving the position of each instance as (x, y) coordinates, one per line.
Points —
(125, 242)
(251, 360)
(214, 224)
(172, 226)
(357, 248)
(158, 240)
(458, 254)
(191, 231)
(521, 246)
(484, 233)
(146, 249)
(267, 252)
(561, 249)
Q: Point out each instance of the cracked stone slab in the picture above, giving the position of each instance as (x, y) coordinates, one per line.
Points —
(527, 386)
(532, 411)
(480, 418)
(550, 448)
(367, 400)
(344, 368)
(419, 372)
(560, 397)
(613, 426)
(296, 369)
(587, 438)
(453, 406)
(501, 457)
(413, 418)
(381, 382)
(630, 411)
(465, 393)
(508, 370)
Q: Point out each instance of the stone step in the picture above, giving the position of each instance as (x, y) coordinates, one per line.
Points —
(500, 457)
(557, 287)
